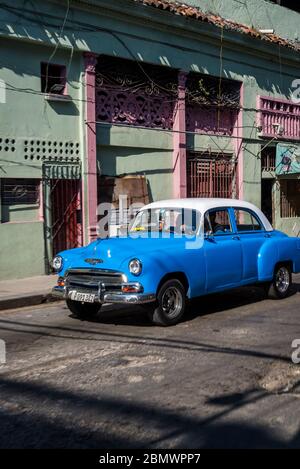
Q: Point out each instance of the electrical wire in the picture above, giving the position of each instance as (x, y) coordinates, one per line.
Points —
(114, 33)
(57, 43)
(62, 27)
(150, 80)
(171, 131)
(11, 87)
(92, 28)
(131, 54)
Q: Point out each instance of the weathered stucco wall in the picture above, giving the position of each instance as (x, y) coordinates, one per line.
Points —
(156, 166)
(137, 151)
(21, 250)
(26, 115)
(259, 14)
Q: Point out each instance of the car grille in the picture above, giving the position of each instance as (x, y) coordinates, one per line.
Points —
(89, 279)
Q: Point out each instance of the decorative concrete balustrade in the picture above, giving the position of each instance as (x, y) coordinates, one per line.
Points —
(282, 112)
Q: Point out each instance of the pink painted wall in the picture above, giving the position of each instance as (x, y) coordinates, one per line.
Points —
(90, 195)
(179, 141)
(284, 112)
(238, 146)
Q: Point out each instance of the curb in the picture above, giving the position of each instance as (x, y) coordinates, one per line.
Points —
(31, 299)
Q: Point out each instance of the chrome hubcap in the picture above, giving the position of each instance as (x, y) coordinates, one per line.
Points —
(171, 302)
(282, 280)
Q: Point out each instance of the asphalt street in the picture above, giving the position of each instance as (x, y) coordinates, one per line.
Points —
(222, 378)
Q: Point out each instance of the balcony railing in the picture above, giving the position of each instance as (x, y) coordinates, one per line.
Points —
(275, 111)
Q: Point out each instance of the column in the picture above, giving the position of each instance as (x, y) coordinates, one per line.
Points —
(238, 145)
(179, 141)
(90, 188)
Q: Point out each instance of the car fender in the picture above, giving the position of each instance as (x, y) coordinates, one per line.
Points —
(278, 250)
(160, 263)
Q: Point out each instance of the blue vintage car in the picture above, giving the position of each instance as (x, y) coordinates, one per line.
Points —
(176, 250)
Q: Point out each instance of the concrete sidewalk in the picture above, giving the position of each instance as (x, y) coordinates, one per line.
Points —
(37, 290)
(26, 291)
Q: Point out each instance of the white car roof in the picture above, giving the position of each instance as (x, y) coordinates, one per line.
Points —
(204, 204)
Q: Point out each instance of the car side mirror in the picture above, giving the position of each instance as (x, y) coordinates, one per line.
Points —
(209, 235)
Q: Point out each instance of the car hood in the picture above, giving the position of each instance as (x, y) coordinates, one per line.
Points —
(113, 252)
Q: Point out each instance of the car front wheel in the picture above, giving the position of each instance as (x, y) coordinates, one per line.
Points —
(170, 305)
(83, 310)
(280, 286)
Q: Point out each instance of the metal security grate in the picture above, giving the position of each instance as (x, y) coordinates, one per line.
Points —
(268, 159)
(211, 175)
(20, 191)
(66, 228)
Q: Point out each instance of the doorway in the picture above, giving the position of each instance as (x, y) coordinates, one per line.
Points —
(267, 198)
(66, 214)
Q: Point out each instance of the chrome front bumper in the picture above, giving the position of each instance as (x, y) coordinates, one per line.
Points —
(107, 297)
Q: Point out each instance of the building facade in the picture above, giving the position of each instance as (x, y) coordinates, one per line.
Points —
(154, 97)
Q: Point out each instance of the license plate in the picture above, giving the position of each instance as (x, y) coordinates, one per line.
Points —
(85, 297)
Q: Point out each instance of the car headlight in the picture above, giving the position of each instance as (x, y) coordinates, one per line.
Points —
(57, 263)
(135, 266)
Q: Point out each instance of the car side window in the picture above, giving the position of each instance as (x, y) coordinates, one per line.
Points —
(217, 222)
(247, 221)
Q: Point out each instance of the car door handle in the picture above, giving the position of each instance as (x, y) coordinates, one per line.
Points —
(236, 237)
(267, 235)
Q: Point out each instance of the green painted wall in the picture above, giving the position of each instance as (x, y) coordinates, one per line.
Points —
(27, 117)
(156, 166)
(36, 130)
(21, 250)
(19, 213)
(259, 14)
(205, 142)
(137, 151)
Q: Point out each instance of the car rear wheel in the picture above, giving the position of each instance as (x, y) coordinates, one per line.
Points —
(83, 310)
(280, 286)
(170, 305)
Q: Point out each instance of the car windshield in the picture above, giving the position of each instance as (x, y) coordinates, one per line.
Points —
(168, 220)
